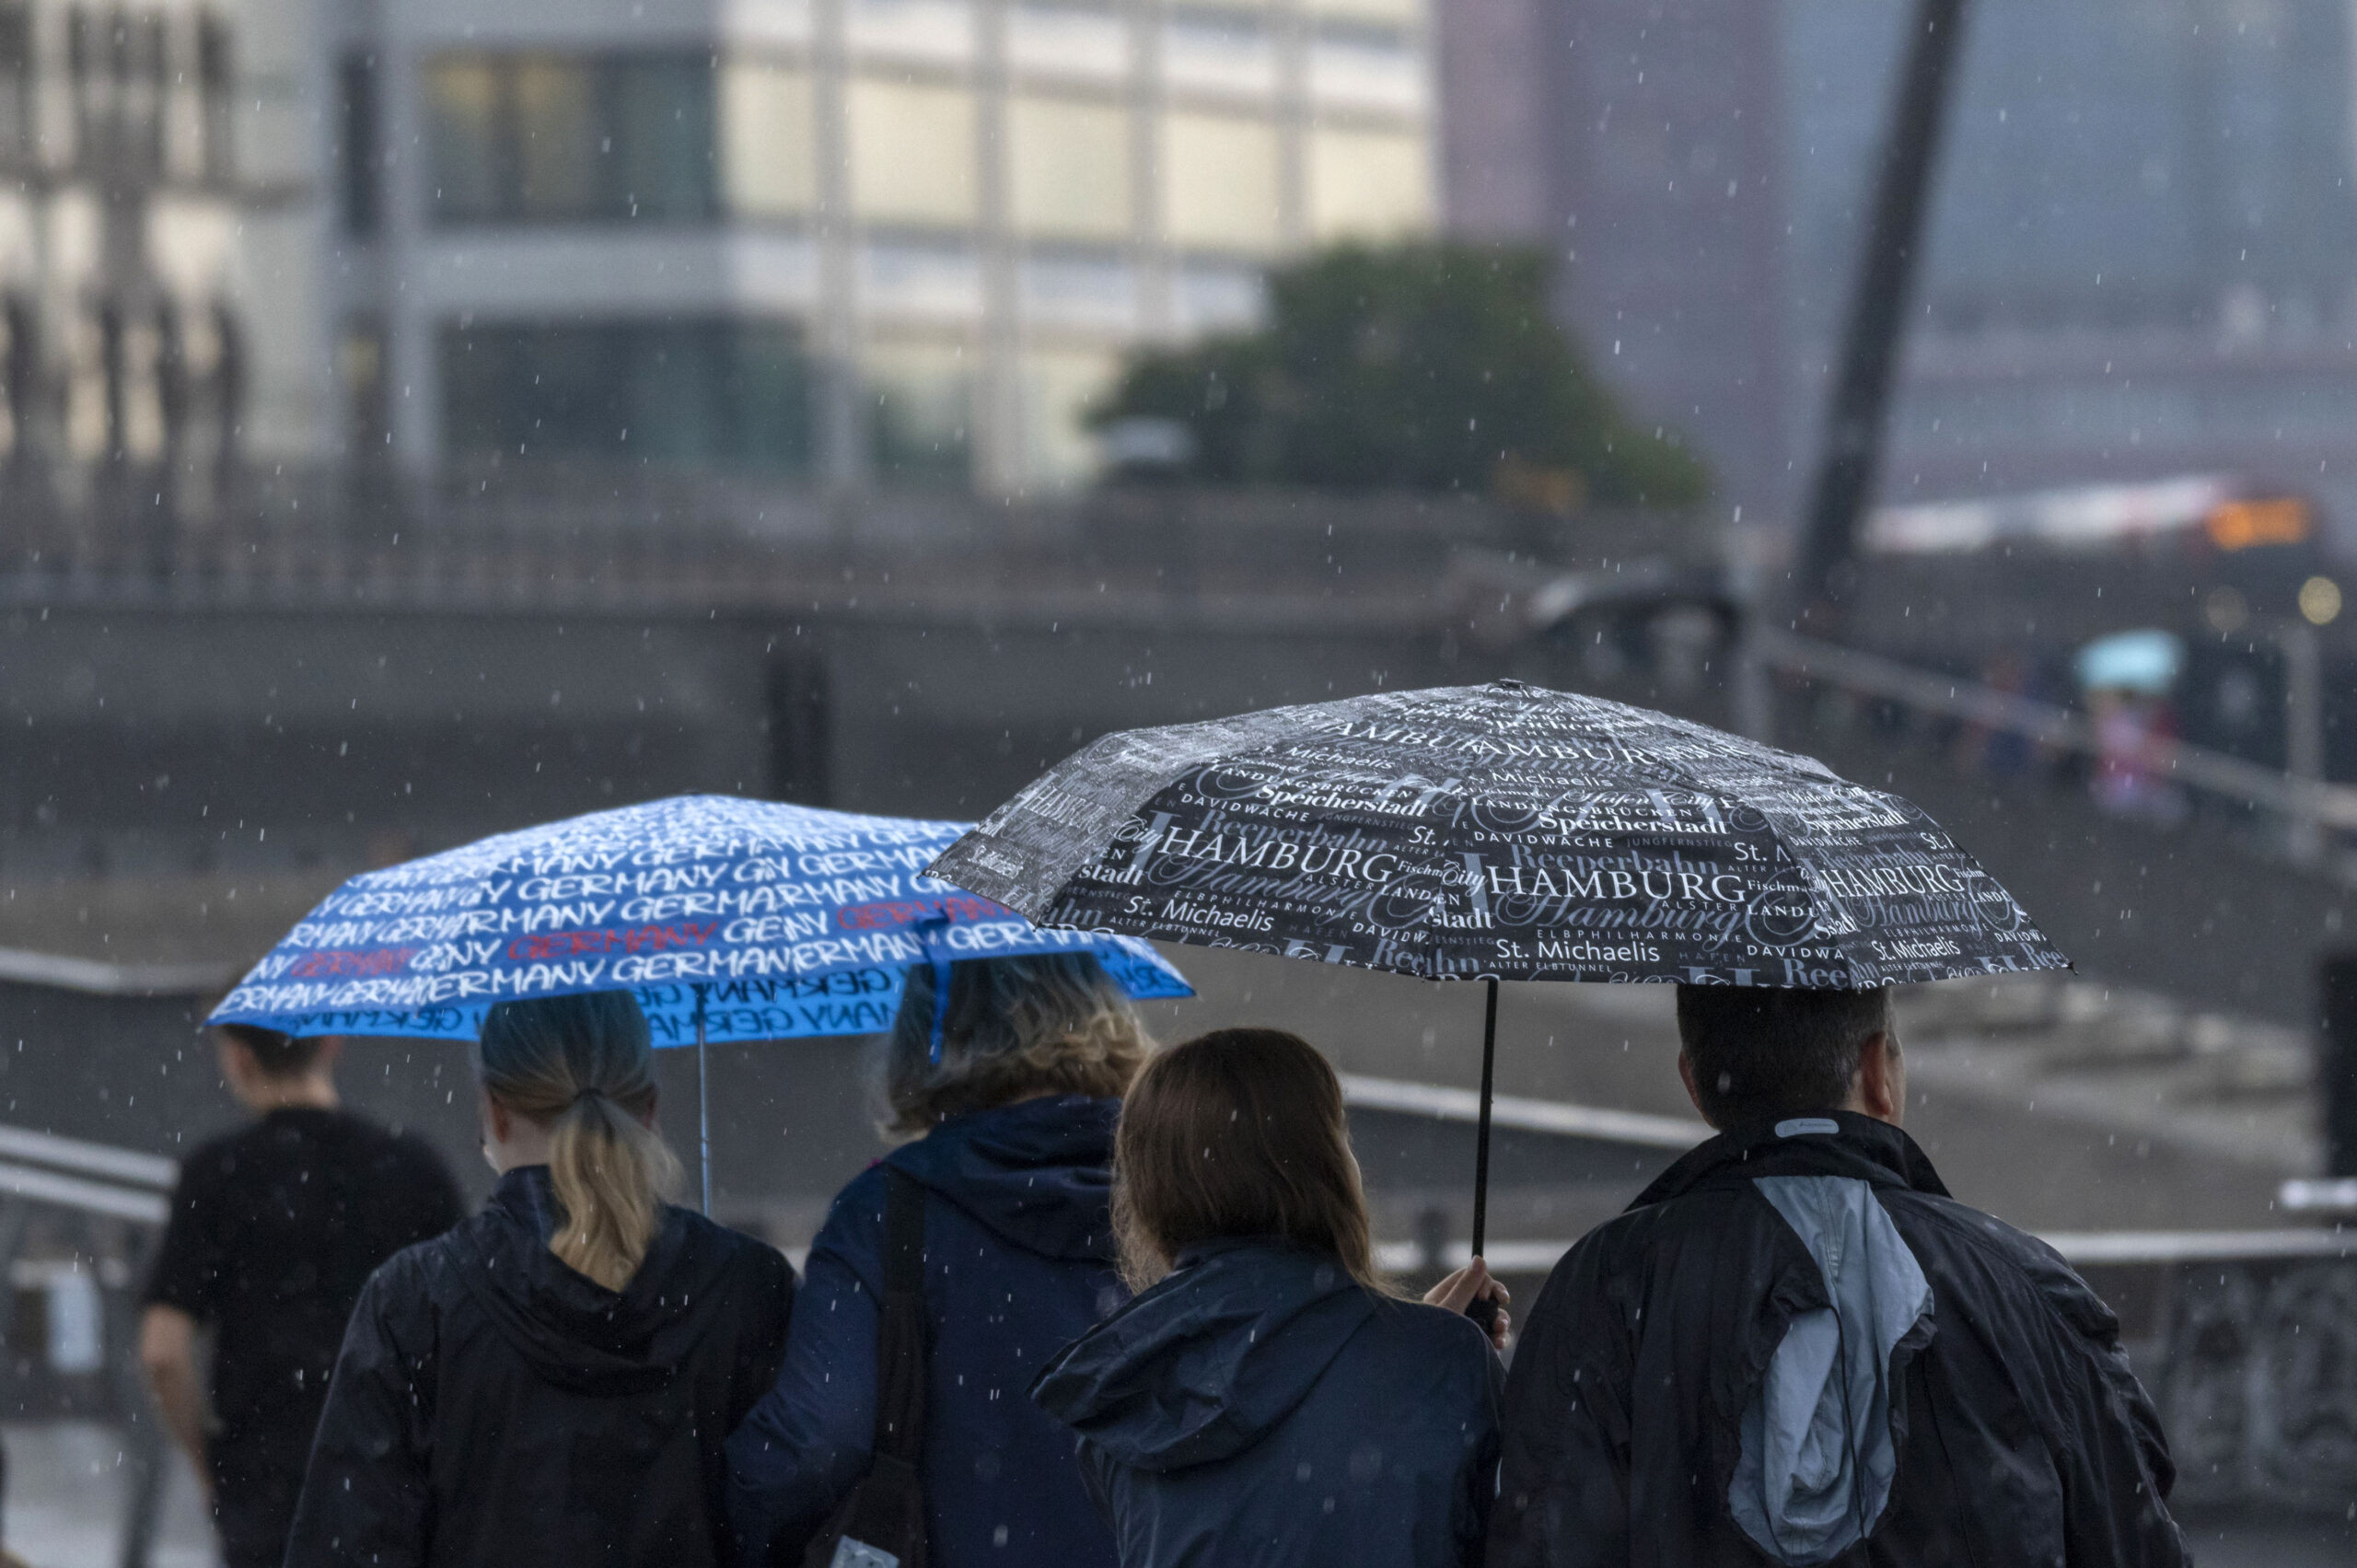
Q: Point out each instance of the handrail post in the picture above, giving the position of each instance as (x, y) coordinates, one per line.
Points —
(2303, 738)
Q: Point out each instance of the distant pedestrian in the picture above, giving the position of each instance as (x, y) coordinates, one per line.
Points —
(1796, 1348)
(549, 1385)
(1009, 1187)
(272, 1231)
(1265, 1398)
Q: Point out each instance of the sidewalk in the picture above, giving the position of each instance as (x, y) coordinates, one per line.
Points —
(65, 1502)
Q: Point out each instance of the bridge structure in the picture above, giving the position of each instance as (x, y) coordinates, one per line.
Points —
(209, 729)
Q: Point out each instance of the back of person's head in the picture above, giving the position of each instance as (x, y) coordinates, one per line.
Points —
(584, 1068)
(1757, 1053)
(1056, 1023)
(1238, 1133)
(275, 1055)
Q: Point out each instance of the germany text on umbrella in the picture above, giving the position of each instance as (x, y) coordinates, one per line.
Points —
(1498, 831)
(729, 919)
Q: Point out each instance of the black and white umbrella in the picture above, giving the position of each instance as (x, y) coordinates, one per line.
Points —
(1497, 833)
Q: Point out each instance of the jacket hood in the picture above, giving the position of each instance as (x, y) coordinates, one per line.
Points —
(1211, 1358)
(573, 1331)
(1819, 1430)
(1037, 1174)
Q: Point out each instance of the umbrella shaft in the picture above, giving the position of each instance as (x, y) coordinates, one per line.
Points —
(1482, 1138)
(704, 1105)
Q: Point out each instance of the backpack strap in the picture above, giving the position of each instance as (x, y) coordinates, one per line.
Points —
(901, 1349)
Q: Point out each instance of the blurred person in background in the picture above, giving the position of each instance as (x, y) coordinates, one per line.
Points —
(1010, 1124)
(549, 1383)
(273, 1232)
(1796, 1348)
(1267, 1398)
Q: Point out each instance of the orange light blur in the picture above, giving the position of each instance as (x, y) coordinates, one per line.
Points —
(2241, 524)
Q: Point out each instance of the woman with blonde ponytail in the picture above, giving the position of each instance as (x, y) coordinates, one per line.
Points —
(550, 1382)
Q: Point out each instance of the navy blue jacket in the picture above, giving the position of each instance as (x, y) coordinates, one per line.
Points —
(1017, 1263)
(1260, 1407)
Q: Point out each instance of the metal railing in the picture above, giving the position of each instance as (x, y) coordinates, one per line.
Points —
(2306, 802)
(111, 1205)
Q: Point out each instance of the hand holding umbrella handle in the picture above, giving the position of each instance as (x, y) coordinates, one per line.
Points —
(1475, 1293)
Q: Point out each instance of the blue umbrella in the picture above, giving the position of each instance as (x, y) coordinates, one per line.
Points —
(727, 919)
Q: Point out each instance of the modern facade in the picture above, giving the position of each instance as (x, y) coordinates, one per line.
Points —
(2140, 260)
(846, 242)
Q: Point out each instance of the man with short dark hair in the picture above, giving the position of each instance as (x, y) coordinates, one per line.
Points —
(1796, 1348)
(272, 1231)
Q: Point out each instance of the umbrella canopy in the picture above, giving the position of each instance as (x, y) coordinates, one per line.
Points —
(1498, 831)
(781, 921)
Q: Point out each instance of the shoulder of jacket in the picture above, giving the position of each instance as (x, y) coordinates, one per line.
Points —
(742, 1252)
(2010, 1253)
(857, 1211)
(216, 1157)
(1638, 1228)
(1432, 1329)
(433, 1265)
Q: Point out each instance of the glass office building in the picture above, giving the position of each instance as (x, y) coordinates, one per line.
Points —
(2141, 257)
(860, 242)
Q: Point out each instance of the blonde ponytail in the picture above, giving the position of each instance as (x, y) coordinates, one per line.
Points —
(583, 1068)
(609, 1170)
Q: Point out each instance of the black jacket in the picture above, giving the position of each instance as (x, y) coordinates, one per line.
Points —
(1261, 1409)
(1796, 1338)
(493, 1406)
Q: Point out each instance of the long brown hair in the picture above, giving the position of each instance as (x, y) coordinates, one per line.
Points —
(584, 1068)
(1052, 1023)
(1236, 1132)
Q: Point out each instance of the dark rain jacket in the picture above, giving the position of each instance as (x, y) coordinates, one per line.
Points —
(1796, 1348)
(1018, 1262)
(493, 1406)
(1260, 1407)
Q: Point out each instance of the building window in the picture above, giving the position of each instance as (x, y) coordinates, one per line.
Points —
(1399, 13)
(143, 68)
(542, 138)
(1220, 182)
(768, 162)
(1368, 184)
(919, 413)
(912, 153)
(1069, 168)
(726, 393)
(215, 96)
(357, 156)
(20, 377)
(16, 79)
(1058, 385)
(368, 409)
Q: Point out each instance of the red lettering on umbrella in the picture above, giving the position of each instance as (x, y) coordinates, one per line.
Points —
(637, 939)
(335, 962)
(893, 914)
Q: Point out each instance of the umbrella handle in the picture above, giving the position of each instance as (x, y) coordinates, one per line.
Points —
(1484, 1310)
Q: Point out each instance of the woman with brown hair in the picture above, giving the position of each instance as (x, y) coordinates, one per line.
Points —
(1006, 1104)
(549, 1383)
(1266, 1399)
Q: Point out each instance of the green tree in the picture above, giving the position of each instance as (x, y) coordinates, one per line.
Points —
(1427, 365)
